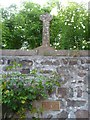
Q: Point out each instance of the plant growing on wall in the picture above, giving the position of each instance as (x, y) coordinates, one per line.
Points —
(20, 90)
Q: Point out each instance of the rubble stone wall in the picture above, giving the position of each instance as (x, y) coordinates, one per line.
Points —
(74, 72)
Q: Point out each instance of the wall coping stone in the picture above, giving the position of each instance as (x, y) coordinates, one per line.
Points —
(45, 52)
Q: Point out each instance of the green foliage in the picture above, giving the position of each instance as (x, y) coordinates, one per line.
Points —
(72, 29)
(23, 29)
(20, 90)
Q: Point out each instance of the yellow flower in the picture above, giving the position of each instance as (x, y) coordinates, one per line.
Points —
(22, 101)
(4, 82)
(7, 91)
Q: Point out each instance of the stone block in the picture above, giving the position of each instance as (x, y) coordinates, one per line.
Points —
(47, 62)
(26, 62)
(62, 70)
(37, 104)
(56, 62)
(82, 114)
(85, 67)
(75, 103)
(73, 62)
(88, 61)
(65, 61)
(63, 103)
(82, 61)
(19, 53)
(61, 92)
(45, 71)
(25, 71)
(74, 53)
(51, 105)
(81, 74)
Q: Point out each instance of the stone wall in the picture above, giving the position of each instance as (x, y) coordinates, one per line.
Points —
(73, 66)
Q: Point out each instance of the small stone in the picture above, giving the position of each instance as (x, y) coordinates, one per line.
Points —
(63, 114)
(49, 116)
(79, 92)
(28, 115)
(86, 79)
(71, 92)
(71, 115)
(73, 81)
(9, 61)
(80, 81)
(2, 61)
(4, 68)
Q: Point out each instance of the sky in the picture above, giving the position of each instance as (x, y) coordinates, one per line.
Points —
(6, 3)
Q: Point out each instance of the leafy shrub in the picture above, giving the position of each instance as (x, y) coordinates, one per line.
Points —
(20, 90)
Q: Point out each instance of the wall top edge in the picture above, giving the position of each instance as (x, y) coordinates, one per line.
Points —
(74, 53)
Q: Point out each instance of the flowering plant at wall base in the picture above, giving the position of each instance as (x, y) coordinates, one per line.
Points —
(20, 90)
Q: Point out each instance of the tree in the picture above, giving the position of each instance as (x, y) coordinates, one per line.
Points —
(68, 30)
(22, 27)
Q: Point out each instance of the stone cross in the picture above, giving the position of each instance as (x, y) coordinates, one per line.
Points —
(46, 18)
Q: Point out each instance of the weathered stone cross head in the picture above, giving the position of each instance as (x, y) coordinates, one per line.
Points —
(46, 18)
